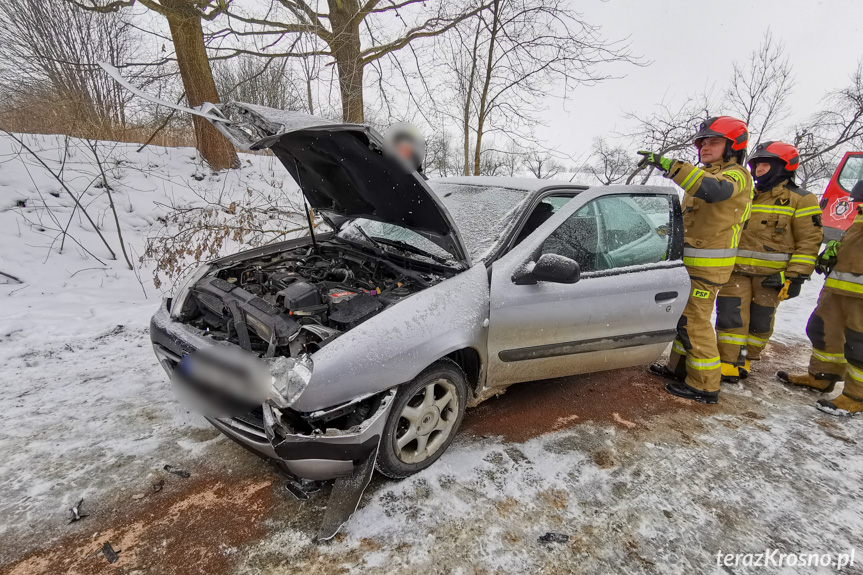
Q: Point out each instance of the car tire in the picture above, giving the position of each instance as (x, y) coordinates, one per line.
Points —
(419, 428)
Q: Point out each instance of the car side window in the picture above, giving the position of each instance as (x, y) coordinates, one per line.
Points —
(543, 211)
(614, 232)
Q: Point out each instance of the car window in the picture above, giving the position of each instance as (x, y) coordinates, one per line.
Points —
(614, 232)
(542, 212)
(852, 172)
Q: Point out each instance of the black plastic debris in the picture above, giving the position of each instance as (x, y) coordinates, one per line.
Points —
(75, 512)
(552, 537)
(177, 471)
(109, 552)
(302, 489)
(158, 485)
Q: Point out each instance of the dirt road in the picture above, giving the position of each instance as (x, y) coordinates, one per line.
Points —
(635, 478)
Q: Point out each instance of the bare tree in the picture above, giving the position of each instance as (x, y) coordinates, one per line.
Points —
(543, 165)
(824, 135)
(442, 155)
(513, 159)
(48, 51)
(668, 130)
(263, 81)
(492, 162)
(613, 163)
(184, 20)
(351, 33)
(513, 55)
(759, 89)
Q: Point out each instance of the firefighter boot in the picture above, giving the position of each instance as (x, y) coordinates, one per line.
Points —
(823, 384)
(680, 389)
(730, 373)
(842, 406)
(745, 369)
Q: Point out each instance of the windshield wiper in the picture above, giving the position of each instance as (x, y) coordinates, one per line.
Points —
(369, 238)
(407, 248)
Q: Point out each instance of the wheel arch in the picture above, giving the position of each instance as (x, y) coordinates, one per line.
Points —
(471, 363)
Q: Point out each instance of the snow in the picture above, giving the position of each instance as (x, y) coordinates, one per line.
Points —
(86, 405)
(89, 413)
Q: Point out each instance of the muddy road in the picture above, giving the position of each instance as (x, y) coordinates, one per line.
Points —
(636, 480)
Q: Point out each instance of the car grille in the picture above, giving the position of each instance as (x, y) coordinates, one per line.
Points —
(254, 418)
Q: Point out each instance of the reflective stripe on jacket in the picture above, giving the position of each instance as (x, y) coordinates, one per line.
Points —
(847, 277)
(715, 208)
(783, 233)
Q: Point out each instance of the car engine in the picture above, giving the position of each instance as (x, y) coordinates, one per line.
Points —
(297, 301)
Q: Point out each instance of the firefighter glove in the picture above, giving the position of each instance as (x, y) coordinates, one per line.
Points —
(827, 259)
(791, 288)
(655, 160)
(776, 280)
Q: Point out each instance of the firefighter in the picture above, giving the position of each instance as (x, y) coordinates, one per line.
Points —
(716, 206)
(407, 142)
(776, 255)
(835, 328)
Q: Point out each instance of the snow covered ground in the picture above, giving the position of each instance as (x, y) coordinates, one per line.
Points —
(639, 482)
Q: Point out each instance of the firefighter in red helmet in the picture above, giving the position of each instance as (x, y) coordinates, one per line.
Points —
(776, 255)
(715, 208)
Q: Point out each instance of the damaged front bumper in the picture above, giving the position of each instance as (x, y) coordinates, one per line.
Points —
(317, 455)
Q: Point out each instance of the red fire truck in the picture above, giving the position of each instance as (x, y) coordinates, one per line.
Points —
(837, 210)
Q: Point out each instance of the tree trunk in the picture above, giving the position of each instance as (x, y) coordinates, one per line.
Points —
(346, 48)
(188, 37)
(483, 102)
(469, 97)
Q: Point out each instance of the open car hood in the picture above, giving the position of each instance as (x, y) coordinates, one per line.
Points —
(344, 172)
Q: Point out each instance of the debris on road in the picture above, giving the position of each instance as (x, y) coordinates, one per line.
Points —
(138, 496)
(301, 489)
(109, 552)
(75, 512)
(158, 485)
(177, 471)
(552, 537)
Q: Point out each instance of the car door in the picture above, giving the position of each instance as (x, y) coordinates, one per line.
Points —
(623, 311)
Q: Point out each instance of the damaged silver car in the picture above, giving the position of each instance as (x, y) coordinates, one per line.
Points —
(426, 297)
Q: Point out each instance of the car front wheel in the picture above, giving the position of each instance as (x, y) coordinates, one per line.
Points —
(424, 420)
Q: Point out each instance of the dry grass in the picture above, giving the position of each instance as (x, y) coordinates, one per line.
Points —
(39, 116)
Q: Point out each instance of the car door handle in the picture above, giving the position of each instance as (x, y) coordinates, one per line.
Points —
(665, 297)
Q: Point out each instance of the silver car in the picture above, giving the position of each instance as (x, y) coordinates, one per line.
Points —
(427, 297)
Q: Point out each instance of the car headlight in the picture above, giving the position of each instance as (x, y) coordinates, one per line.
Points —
(291, 377)
(260, 328)
(183, 291)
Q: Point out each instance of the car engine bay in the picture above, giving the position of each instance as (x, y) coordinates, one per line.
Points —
(297, 301)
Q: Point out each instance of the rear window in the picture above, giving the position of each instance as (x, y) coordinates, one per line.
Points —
(852, 172)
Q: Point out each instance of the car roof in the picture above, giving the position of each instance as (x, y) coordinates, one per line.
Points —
(537, 185)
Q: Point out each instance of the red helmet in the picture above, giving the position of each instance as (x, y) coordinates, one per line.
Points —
(724, 127)
(776, 151)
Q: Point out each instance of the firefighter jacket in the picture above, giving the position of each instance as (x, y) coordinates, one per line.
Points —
(715, 208)
(783, 233)
(847, 277)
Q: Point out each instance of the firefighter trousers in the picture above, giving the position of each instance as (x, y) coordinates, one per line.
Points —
(694, 351)
(835, 329)
(745, 311)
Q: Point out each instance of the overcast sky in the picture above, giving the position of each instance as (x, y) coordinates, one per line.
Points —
(692, 48)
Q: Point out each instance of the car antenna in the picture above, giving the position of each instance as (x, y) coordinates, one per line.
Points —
(308, 209)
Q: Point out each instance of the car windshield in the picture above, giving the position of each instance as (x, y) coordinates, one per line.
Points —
(483, 214)
(395, 238)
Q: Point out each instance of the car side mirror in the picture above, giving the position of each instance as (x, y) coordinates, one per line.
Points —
(856, 194)
(548, 268)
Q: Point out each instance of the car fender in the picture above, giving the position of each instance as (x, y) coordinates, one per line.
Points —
(396, 345)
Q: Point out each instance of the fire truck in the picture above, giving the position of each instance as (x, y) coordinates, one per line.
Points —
(837, 210)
